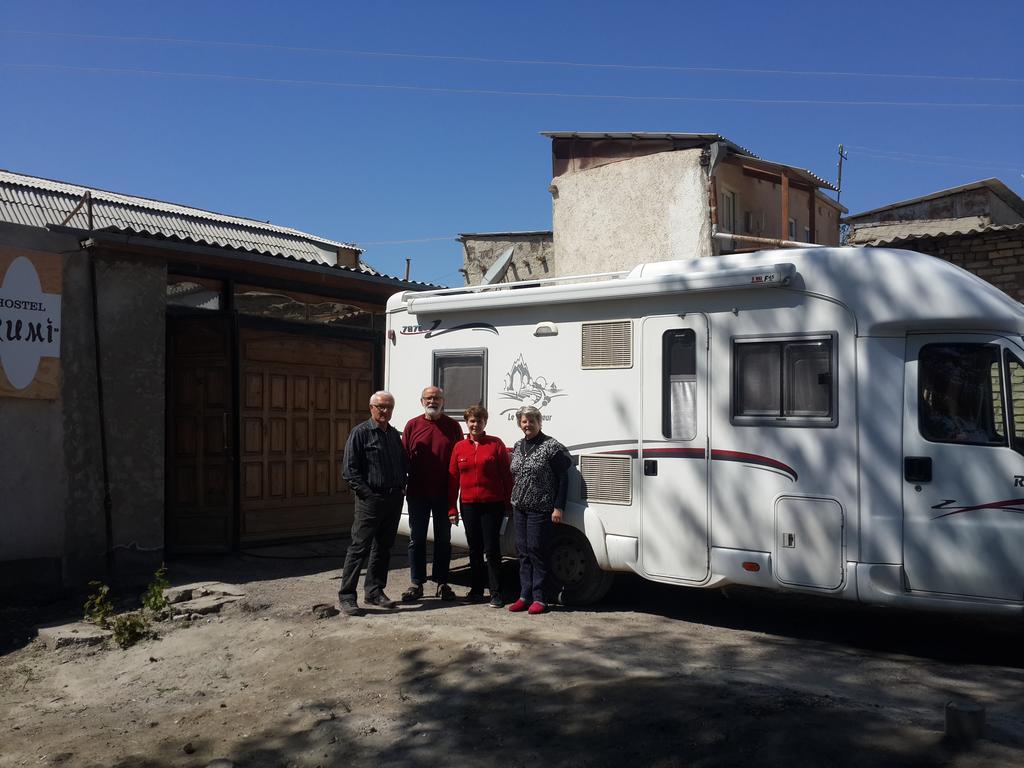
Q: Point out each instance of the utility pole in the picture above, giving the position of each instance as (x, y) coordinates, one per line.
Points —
(408, 266)
(839, 180)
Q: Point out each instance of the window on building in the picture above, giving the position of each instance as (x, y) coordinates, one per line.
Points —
(462, 374)
(960, 394)
(784, 380)
(679, 384)
(792, 229)
(727, 214)
(194, 292)
(807, 235)
(296, 307)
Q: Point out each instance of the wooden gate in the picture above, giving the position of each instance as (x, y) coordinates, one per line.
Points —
(300, 396)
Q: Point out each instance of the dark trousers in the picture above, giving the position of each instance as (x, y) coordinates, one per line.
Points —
(483, 534)
(420, 513)
(533, 535)
(373, 534)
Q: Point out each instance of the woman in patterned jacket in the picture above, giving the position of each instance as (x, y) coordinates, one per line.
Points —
(540, 482)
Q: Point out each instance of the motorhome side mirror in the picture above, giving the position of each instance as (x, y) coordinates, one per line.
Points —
(917, 469)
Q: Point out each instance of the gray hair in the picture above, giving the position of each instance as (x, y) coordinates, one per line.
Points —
(381, 393)
(530, 412)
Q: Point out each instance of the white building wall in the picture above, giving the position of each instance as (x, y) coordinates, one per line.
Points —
(639, 210)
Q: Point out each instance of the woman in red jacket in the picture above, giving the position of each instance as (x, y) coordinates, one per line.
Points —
(479, 468)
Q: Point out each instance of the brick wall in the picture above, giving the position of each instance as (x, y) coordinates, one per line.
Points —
(534, 256)
(996, 256)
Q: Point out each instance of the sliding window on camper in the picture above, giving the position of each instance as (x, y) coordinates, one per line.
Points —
(785, 381)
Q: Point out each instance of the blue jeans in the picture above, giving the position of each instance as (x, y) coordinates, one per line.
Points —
(420, 512)
(533, 536)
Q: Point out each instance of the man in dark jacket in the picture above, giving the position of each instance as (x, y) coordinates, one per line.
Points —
(375, 469)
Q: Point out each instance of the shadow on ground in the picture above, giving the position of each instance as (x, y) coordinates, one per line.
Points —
(598, 703)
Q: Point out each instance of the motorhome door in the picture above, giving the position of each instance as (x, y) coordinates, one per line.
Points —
(673, 455)
(963, 470)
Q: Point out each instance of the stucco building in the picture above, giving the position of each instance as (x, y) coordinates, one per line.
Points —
(621, 199)
(171, 380)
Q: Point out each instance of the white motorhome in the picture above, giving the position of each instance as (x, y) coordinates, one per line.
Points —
(837, 421)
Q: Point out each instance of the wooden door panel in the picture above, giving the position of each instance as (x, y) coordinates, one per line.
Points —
(199, 504)
(278, 392)
(252, 436)
(304, 398)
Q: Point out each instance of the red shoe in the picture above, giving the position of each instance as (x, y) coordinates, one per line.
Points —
(537, 607)
(518, 605)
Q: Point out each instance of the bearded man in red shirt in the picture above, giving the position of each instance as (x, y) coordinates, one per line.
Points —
(428, 441)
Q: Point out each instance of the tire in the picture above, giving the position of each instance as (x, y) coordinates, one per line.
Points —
(575, 569)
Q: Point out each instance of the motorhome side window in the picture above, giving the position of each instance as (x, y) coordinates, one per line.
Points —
(1015, 398)
(960, 394)
(787, 380)
(462, 374)
(679, 385)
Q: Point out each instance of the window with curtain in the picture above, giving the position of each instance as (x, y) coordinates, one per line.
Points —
(679, 385)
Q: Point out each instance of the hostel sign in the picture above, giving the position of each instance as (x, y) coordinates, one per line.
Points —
(30, 320)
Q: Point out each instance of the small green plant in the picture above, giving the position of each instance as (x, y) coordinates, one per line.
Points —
(98, 607)
(153, 598)
(129, 628)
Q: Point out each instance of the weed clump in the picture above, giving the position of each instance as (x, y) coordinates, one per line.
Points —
(153, 599)
(98, 607)
(130, 627)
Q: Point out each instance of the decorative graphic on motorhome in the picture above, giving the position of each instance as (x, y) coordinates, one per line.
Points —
(949, 507)
(520, 385)
(433, 330)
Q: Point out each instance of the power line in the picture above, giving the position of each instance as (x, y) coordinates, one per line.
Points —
(449, 238)
(521, 62)
(944, 164)
(897, 155)
(498, 92)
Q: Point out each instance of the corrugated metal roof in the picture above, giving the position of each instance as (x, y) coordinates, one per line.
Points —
(997, 187)
(39, 202)
(892, 233)
(709, 138)
(640, 135)
(525, 233)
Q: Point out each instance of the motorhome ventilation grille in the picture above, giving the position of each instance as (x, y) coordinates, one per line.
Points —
(608, 345)
(607, 479)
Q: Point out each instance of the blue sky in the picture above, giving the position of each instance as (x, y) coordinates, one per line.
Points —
(414, 121)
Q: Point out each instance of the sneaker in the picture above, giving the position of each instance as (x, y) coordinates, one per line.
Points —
(537, 607)
(350, 608)
(518, 605)
(475, 596)
(496, 601)
(413, 593)
(381, 601)
(445, 593)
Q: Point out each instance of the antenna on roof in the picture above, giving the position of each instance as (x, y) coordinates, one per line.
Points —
(498, 269)
(839, 180)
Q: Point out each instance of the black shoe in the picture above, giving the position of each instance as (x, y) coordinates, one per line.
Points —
(445, 593)
(475, 596)
(496, 602)
(381, 601)
(350, 608)
(413, 593)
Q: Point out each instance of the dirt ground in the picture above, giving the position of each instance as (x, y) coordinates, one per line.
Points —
(653, 676)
